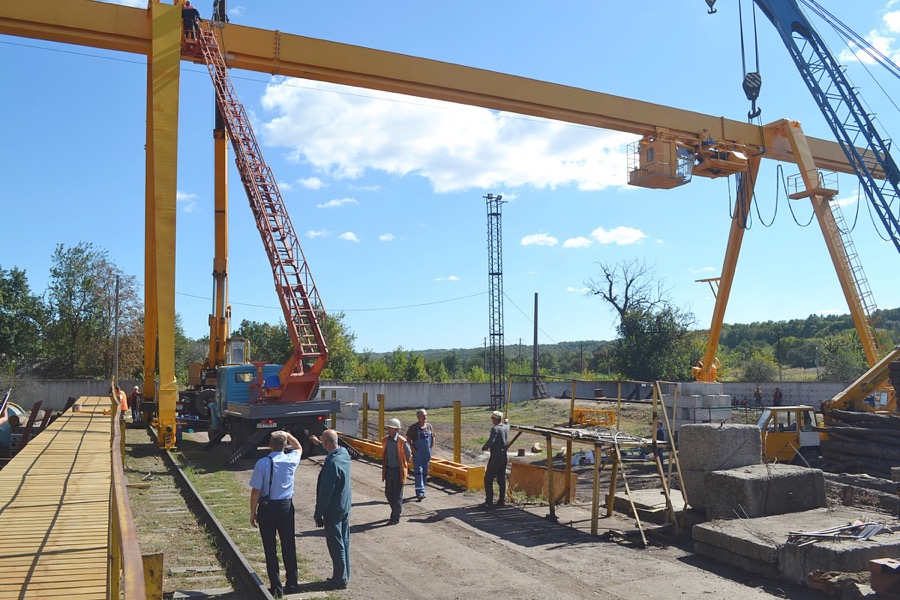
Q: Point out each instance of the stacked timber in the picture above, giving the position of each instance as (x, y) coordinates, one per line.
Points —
(861, 442)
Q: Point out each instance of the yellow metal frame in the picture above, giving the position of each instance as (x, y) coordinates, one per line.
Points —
(155, 32)
(469, 477)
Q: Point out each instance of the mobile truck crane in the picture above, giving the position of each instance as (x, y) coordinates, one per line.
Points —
(872, 163)
(249, 400)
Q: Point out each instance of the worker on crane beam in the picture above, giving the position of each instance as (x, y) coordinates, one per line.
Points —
(190, 18)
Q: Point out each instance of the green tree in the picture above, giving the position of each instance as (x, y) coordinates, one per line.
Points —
(23, 319)
(842, 358)
(654, 336)
(477, 375)
(268, 343)
(342, 359)
(82, 306)
(187, 351)
(760, 367)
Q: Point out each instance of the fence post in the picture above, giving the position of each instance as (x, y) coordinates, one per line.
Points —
(365, 416)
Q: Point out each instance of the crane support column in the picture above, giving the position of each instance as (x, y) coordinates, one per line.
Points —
(820, 198)
(218, 320)
(706, 369)
(164, 63)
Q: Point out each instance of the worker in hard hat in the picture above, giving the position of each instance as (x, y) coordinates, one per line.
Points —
(496, 467)
(395, 455)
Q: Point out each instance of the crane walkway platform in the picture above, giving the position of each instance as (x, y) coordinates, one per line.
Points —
(55, 509)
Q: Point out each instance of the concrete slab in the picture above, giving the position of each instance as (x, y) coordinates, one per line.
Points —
(760, 545)
(763, 490)
(650, 503)
(703, 448)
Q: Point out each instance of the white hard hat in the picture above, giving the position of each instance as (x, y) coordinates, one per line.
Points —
(393, 424)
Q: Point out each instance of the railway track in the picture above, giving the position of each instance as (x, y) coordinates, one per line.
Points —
(173, 517)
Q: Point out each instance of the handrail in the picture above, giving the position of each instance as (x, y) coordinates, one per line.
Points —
(124, 553)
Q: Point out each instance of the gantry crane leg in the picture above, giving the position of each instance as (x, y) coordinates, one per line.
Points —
(705, 369)
(164, 64)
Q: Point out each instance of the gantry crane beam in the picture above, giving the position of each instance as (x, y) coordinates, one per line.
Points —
(126, 29)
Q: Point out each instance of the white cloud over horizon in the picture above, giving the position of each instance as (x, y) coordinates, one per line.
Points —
(539, 239)
(317, 233)
(448, 278)
(386, 237)
(349, 236)
(187, 201)
(455, 147)
(337, 203)
(578, 242)
(311, 183)
(621, 235)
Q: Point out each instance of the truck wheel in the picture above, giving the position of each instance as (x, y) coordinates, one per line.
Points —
(202, 402)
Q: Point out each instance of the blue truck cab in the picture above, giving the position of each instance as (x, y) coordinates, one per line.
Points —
(242, 410)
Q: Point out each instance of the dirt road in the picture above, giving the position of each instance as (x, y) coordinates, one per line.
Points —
(446, 547)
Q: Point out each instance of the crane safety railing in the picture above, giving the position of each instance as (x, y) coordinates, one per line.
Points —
(300, 301)
(125, 569)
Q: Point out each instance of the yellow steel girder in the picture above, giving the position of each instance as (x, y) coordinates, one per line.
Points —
(126, 29)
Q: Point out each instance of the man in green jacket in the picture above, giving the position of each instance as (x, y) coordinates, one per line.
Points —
(333, 502)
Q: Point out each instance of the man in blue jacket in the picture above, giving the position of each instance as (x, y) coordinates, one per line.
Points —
(333, 508)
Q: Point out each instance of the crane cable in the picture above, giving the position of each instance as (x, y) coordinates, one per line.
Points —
(752, 82)
(780, 184)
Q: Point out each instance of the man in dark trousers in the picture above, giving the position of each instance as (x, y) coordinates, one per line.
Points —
(271, 505)
(333, 502)
(395, 455)
(190, 20)
(496, 467)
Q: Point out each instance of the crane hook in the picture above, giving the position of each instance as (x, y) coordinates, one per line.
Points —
(710, 4)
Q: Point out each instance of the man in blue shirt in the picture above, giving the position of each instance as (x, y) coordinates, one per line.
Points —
(272, 484)
(333, 502)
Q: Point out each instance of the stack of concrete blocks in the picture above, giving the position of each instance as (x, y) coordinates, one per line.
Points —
(697, 403)
(724, 475)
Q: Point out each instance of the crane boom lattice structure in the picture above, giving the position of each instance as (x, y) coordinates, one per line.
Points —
(296, 289)
(497, 361)
(848, 119)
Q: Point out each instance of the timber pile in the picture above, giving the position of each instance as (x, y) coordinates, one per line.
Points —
(860, 442)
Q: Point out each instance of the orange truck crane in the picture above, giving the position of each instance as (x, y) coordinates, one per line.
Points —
(250, 400)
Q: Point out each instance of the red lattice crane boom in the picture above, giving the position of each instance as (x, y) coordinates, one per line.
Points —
(297, 293)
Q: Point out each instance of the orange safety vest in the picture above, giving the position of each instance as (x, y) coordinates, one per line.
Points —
(401, 453)
(123, 400)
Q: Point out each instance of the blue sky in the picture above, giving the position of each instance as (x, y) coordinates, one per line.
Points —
(386, 192)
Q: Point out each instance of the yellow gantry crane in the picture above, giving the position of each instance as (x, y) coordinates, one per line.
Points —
(719, 146)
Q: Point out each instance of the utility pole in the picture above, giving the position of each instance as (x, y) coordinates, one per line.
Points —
(534, 357)
(495, 286)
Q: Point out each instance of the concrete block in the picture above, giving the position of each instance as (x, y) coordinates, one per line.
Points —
(760, 545)
(763, 490)
(715, 447)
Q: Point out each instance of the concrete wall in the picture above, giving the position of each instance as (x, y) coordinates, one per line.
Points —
(54, 393)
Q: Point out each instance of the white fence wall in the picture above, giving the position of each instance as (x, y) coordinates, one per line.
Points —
(54, 393)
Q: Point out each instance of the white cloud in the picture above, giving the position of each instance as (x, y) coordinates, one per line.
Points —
(336, 203)
(702, 270)
(344, 132)
(621, 236)
(847, 201)
(285, 186)
(366, 188)
(450, 278)
(386, 237)
(581, 290)
(539, 239)
(236, 11)
(578, 242)
(187, 201)
(349, 236)
(311, 183)
(317, 233)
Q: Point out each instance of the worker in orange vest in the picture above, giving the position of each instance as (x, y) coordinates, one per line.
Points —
(395, 455)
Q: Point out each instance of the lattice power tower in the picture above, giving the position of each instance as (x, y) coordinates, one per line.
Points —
(497, 360)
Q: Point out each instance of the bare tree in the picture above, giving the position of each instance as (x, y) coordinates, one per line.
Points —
(629, 285)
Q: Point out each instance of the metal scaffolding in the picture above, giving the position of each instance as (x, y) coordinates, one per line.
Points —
(497, 360)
